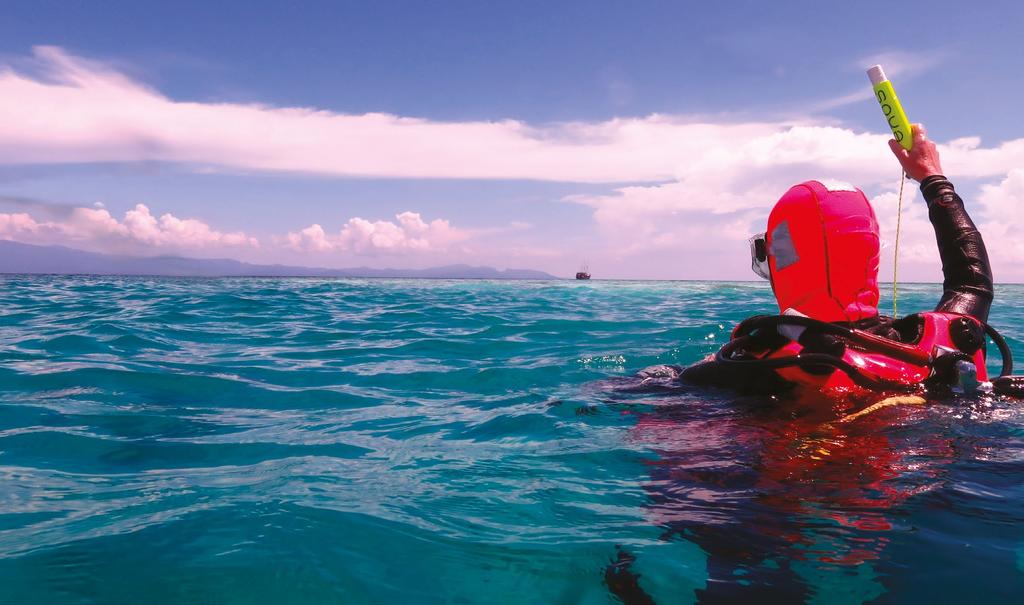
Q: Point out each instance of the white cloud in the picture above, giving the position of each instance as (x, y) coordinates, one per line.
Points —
(310, 239)
(1003, 205)
(753, 173)
(918, 255)
(680, 183)
(170, 230)
(408, 233)
(83, 112)
(138, 231)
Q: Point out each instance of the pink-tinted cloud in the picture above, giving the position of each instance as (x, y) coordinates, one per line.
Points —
(310, 239)
(407, 233)
(139, 231)
(17, 225)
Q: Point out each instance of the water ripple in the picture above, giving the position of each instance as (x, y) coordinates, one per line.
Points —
(372, 441)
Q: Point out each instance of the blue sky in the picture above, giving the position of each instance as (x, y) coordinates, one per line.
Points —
(524, 134)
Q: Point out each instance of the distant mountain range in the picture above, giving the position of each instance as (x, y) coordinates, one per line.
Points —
(26, 258)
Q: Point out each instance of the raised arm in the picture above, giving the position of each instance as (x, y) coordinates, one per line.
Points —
(967, 275)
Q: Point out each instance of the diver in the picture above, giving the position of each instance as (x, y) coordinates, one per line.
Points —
(821, 255)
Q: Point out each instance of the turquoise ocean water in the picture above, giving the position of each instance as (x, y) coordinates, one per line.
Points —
(392, 441)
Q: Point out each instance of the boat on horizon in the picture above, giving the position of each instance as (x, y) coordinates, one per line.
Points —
(583, 273)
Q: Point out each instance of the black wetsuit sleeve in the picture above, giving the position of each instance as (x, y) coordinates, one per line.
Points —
(967, 275)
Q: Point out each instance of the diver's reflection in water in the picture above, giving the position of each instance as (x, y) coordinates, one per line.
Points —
(771, 489)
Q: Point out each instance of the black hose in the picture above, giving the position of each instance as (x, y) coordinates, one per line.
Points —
(795, 320)
(830, 328)
(1004, 384)
(1004, 349)
(809, 359)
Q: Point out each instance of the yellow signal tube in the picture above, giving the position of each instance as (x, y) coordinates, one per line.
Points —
(891, 108)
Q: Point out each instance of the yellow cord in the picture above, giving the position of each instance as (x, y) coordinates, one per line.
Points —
(896, 246)
(878, 405)
(887, 402)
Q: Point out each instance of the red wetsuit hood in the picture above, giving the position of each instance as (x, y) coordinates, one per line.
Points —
(823, 253)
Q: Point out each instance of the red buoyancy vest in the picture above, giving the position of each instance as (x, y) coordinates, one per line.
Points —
(906, 364)
(823, 253)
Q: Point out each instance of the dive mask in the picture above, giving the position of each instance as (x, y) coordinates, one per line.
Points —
(759, 256)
